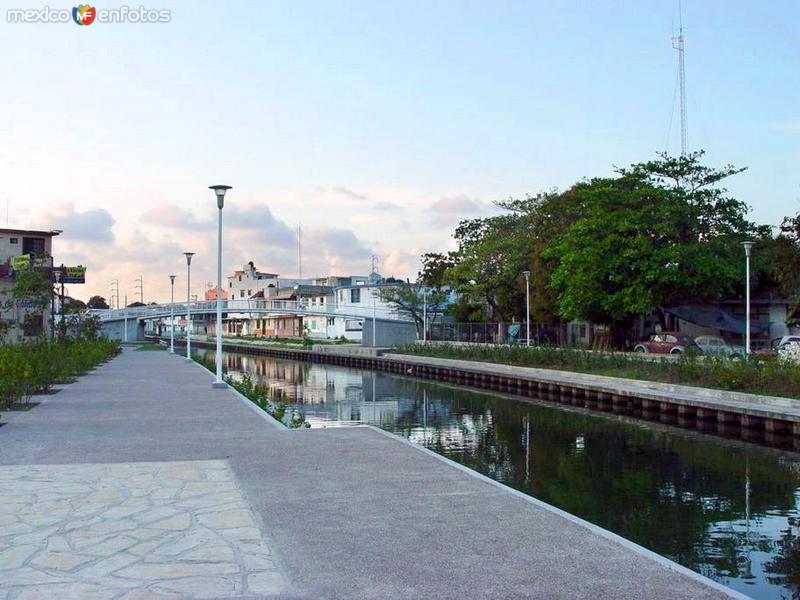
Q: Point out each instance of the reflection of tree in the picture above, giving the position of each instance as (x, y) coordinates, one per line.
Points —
(785, 566)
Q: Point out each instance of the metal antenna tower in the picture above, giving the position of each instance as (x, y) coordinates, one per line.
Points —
(300, 251)
(677, 43)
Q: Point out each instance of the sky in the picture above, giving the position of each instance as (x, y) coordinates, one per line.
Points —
(375, 126)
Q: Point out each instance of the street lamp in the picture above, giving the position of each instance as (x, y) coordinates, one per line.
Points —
(172, 314)
(748, 247)
(188, 256)
(219, 191)
(527, 308)
(424, 315)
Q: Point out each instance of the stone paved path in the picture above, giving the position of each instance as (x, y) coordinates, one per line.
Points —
(130, 530)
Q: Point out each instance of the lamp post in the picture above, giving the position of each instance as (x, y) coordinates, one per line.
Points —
(125, 309)
(748, 247)
(527, 308)
(424, 315)
(188, 256)
(219, 191)
(172, 314)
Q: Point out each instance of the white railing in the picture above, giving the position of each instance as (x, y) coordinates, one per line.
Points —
(244, 307)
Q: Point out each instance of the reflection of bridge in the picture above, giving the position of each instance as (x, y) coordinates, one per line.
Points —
(242, 309)
(132, 319)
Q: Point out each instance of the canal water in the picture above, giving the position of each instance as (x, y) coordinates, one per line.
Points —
(729, 510)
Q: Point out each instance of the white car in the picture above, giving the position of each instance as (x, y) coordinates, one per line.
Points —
(779, 344)
(713, 345)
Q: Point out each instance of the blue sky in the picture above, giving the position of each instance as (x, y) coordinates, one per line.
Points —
(374, 124)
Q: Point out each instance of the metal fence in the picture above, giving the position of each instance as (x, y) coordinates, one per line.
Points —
(498, 333)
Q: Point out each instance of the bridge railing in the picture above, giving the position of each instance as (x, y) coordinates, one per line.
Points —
(252, 307)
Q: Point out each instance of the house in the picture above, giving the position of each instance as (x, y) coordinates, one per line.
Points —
(211, 294)
(313, 297)
(249, 281)
(22, 249)
(360, 300)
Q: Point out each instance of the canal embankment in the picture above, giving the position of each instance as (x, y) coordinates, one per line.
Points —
(341, 512)
(771, 420)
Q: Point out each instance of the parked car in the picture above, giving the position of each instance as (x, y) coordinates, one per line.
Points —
(716, 346)
(668, 342)
(780, 343)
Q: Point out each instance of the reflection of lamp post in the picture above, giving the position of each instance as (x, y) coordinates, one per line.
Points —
(188, 256)
(527, 308)
(219, 190)
(748, 246)
(172, 314)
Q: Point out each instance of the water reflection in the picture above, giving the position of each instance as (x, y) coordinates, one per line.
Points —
(726, 509)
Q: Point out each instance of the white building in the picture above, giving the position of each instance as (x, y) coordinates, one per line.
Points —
(249, 281)
(14, 245)
(358, 301)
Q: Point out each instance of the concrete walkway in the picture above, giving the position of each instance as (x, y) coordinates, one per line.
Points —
(140, 481)
(771, 407)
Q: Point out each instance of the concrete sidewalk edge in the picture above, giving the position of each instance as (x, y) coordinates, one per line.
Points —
(641, 550)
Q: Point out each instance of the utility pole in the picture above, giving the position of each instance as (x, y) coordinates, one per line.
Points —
(678, 44)
(299, 252)
(140, 286)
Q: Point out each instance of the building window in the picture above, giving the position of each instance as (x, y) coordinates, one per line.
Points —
(241, 293)
(355, 296)
(249, 292)
(230, 284)
(32, 245)
(330, 322)
(14, 240)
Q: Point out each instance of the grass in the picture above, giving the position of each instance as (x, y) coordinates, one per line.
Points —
(759, 374)
(150, 348)
(259, 395)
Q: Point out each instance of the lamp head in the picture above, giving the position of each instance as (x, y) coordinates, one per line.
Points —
(220, 190)
(526, 274)
(188, 256)
(172, 279)
(748, 246)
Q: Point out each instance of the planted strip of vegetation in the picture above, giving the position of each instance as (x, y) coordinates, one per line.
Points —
(260, 395)
(766, 375)
(32, 368)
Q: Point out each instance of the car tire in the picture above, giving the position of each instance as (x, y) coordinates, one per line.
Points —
(676, 351)
(640, 349)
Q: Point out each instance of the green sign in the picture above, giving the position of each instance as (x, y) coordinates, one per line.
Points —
(74, 274)
(20, 263)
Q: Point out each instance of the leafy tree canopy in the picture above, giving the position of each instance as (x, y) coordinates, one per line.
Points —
(97, 302)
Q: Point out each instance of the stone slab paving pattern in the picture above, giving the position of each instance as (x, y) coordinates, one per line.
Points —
(131, 531)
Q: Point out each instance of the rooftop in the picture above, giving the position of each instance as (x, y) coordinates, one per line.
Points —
(51, 233)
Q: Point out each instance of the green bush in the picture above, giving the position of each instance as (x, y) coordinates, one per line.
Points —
(757, 374)
(259, 395)
(33, 367)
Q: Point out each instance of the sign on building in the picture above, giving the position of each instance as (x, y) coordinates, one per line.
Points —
(73, 274)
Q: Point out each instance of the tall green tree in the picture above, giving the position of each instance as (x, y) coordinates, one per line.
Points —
(657, 234)
(97, 302)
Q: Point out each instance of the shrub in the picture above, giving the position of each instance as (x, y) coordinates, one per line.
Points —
(778, 376)
(33, 367)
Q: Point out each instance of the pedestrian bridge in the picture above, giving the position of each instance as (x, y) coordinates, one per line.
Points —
(245, 309)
